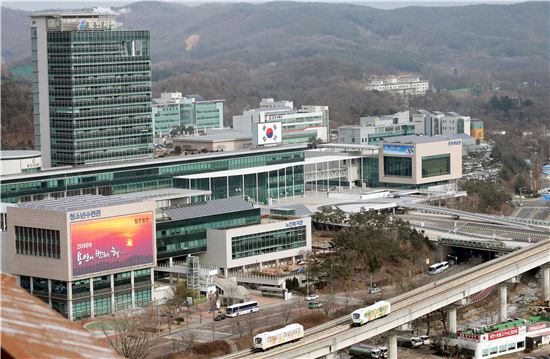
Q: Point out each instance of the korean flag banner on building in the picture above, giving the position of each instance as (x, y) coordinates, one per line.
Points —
(268, 133)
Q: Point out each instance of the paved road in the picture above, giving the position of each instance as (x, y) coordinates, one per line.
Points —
(272, 311)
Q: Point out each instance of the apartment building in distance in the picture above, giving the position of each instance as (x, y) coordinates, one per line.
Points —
(91, 89)
(400, 85)
(374, 129)
(297, 125)
(173, 110)
(439, 123)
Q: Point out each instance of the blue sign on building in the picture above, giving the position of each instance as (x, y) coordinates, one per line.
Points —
(402, 150)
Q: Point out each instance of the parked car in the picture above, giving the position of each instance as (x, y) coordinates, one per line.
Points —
(315, 305)
(425, 339)
(311, 297)
(374, 290)
(219, 317)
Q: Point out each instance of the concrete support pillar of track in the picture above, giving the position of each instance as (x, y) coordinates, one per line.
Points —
(331, 356)
(392, 345)
(546, 282)
(503, 302)
(451, 318)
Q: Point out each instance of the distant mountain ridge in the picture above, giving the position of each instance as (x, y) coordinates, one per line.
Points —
(494, 37)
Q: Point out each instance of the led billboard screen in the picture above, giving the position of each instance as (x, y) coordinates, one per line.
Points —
(112, 243)
(401, 150)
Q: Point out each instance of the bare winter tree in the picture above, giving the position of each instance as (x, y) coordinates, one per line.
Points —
(287, 311)
(190, 340)
(239, 327)
(175, 302)
(442, 313)
(329, 303)
(133, 336)
(300, 303)
(199, 309)
(251, 322)
(347, 301)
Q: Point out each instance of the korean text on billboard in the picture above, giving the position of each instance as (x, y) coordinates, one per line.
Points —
(503, 333)
(399, 150)
(112, 243)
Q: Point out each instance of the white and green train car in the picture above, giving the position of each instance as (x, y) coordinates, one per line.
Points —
(268, 340)
(364, 315)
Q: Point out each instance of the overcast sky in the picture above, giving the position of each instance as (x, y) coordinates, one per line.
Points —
(384, 4)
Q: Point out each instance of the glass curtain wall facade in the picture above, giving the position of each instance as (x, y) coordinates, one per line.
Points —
(99, 96)
(398, 166)
(297, 128)
(142, 177)
(436, 165)
(268, 242)
(257, 187)
(166, 117)
(188, 236)
(208, 114)
(187, 112)
(94, 296)
(370, 171)
(381, 133)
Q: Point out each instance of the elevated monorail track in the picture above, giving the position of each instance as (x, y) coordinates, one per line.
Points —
(338, 334)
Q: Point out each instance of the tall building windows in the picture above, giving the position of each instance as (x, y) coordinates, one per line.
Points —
(398, 166)
(437, 165)
(39, 242)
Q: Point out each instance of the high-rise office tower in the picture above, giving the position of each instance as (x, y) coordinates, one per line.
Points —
(91, 89)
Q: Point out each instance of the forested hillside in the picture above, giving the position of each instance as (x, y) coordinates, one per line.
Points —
(475, 37)
(319, 53)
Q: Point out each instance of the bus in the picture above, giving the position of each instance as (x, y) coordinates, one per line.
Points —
(241, 308)
(438, 267)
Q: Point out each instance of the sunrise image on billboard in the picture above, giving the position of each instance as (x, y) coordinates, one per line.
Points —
(112, 243)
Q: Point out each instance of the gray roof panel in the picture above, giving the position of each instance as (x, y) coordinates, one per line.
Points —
(208, 208)
(75, 203)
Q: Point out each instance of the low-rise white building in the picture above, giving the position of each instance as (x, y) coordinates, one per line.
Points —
(298, 125)
(500, 339)
(413, 86)
(374, 129)
(244, 249)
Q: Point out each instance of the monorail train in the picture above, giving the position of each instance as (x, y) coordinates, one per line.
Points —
(268, 340)
(364, 315)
